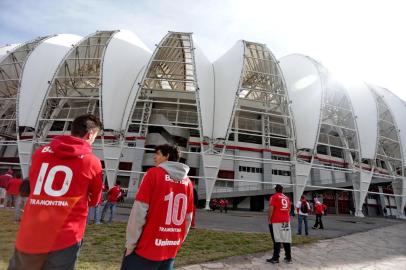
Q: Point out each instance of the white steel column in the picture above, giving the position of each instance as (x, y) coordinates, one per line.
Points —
(399, 188)
(361, 187)
(25, 149)
(135, 178)
(112, 156)
(211, 164)
(302, 172)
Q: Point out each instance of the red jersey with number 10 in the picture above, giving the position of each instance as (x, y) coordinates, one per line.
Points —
(65, 177)
(165, 227)
(281, 210)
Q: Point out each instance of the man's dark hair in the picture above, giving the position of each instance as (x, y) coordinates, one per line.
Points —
(83, 124)
(118, 182)
(278, 188)
(171, 151)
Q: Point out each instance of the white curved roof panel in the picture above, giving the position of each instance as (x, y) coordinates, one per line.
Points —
(205, 81)
(305, 90)
(38, 72)
(124, 59)
(227, 74)
(5, 50)
(398, 110)
(366, 117)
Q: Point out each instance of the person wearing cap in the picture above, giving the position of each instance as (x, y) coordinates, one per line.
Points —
(279, 225)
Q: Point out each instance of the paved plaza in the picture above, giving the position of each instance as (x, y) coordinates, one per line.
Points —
(247, 221)
(382, 248)
(348, 242)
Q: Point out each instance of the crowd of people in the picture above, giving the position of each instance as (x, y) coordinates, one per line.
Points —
(13, 192)
(65, 191)
(219, 204)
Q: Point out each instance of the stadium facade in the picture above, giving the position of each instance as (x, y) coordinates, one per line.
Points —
(243, 122)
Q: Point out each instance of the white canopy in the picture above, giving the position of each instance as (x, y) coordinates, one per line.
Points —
(366, 117)
(5, 50)
(227, 74)
(124, 59)
(38, 72)
(205, 80)
(305, 89)
(398, 110)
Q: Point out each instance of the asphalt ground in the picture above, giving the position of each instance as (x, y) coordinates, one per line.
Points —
(382, 248)
(247, 221)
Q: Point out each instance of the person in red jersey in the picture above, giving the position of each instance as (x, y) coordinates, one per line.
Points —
(223, 205)
(5, 178)
(13, 189)
(65, 178)
(113, 195)
(4, 182)
(161, 215)
(319, 209)
(279, 225)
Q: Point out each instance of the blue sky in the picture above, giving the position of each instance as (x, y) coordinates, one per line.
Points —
(363, 39)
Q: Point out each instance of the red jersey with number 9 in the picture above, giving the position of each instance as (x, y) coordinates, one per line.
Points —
(165, 227)
(281, 210)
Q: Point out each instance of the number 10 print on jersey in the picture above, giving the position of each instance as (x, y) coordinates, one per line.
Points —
(44, 188)
(170, 203)
(50, 180)
(172, 214)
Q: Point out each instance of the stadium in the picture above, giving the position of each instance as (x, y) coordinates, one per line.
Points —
(244, 122)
